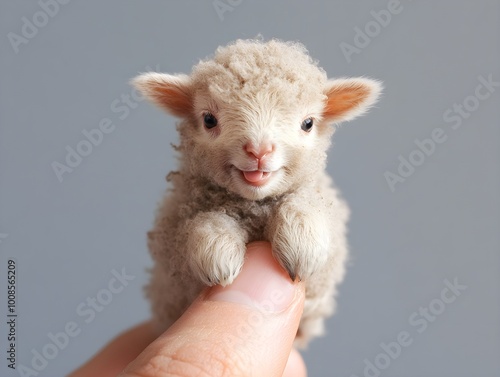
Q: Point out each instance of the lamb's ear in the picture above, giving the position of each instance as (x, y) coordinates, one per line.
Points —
(170, 92)
(349, 98)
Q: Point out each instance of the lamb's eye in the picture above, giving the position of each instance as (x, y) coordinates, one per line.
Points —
(307, 124)
(209, 120)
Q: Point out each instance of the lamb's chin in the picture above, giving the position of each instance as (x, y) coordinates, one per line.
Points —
(267, 186)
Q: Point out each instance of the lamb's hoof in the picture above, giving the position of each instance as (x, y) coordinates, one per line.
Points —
(292, 273)
(225, 280)
(224, 265)
(228, 279)
(309, 250)
(296, 263)
(218, 251)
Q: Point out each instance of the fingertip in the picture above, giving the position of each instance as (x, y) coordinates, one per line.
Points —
(252, 323)
(262, 283)
(295, 366)
(259, 245)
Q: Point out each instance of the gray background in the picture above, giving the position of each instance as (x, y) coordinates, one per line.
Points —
(441, 223)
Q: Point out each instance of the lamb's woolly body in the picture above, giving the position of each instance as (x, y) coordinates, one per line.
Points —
(174, 285)
(259, 92)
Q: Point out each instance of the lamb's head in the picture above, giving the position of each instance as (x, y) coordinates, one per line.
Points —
(257, 116)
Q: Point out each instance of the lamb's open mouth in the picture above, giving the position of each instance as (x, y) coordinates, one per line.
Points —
(255, 177)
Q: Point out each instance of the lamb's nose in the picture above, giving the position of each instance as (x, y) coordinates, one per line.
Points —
(260, 150)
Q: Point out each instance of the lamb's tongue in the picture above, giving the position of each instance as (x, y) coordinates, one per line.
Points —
(253, 176)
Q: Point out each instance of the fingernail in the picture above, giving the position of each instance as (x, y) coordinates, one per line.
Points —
(262, 282)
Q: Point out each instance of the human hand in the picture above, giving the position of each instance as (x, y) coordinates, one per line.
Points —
(244, 329)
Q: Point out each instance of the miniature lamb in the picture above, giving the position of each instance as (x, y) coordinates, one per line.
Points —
(256, 125)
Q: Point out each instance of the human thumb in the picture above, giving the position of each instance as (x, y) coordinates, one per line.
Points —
(244, 329)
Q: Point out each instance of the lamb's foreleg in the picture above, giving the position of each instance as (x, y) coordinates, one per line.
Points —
(300, 237)
(216, 247)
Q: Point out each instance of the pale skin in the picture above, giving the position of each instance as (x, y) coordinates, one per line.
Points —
(221, 334)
